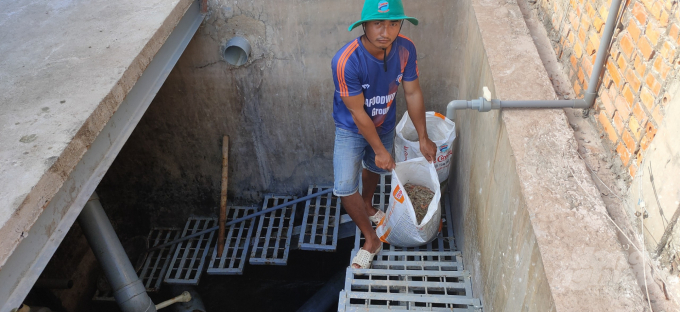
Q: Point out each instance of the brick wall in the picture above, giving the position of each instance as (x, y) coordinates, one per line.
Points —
(642, 62)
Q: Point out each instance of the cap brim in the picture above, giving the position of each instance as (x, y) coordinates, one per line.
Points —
(413, 21)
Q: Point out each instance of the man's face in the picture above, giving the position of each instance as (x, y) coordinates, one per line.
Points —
(382, 33)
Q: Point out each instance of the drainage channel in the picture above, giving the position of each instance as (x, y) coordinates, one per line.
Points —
(429, 277)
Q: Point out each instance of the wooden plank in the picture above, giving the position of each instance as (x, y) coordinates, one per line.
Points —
(223, 197)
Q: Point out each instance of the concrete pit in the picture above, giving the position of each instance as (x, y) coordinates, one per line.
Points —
(533, 230)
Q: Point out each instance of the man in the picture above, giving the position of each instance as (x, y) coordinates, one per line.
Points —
(367, 73)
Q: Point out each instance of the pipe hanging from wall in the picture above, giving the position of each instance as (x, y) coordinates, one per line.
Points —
(128, 290)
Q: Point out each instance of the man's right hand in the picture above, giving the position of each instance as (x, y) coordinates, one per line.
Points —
(384, 161)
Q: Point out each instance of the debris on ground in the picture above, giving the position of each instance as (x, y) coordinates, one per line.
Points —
(420, 197)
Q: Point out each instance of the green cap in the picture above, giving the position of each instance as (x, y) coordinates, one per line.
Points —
(381, 10)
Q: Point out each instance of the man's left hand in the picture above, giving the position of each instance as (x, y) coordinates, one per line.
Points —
(428, 149)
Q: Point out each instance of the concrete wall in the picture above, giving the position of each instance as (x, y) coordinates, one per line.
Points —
(276, 109)
(531, 225)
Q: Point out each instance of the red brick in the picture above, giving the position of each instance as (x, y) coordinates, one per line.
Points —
(666, 99)
(639, 13)
(661, 68)
(655, 10)
(638, 158)
(628, 95)
(618, 122)
(648, 3)
(653, 84)
(597, 23)
(577, 88)
(647, 98)
(580, 75)
(663, 20)
(572, 59)
(604, 11)
(668, 52)
(633, 30)
(634, 127)
(570, 37)
(623, 154)
(633, 80)
(674, 33)
(628, 140)
(632, 170)
(587, 66)
(590, 48)
(578, 51)
(668, 5)
(607, 80)
(616, 75)
(609, 108)
(650, 133)
(652, 33)
(657, 115)
(607, 126)
(639, 113)
(582, 32)
(646, 48)
(639, 66)
(621, 62)
(627, 45)
(590, 10)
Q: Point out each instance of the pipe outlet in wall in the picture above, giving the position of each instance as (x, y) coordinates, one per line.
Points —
(236, 51)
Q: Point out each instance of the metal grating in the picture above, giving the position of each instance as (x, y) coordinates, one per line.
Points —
(274, 232)
(381, 197)
(320, 221)
(418, 260)
(395, 290)
(157, 261)
(237, 242)
(187, 262)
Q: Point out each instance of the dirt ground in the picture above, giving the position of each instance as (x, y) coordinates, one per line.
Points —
(610, 177)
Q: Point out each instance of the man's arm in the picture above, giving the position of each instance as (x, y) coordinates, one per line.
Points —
(416, 110)
(355, 104)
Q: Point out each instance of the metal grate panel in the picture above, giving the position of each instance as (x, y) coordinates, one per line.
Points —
(418, 260)
(189, 257)
(274, 232)
(390, 290)
(320, 221)
(157, 261)
(381, 197)
(236, 244)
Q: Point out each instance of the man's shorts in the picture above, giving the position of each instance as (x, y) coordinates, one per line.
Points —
(351, 149)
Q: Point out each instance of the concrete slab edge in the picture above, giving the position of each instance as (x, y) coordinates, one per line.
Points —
(16, 229)
(577, 243)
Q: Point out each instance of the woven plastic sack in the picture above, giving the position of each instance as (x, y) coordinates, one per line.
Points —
(441, 130)
(399, 227)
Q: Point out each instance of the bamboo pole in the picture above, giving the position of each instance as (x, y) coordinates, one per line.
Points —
(223, 196)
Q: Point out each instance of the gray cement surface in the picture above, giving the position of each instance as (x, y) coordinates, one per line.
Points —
(65, 68)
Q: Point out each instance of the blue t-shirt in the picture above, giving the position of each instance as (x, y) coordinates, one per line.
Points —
(356, 71)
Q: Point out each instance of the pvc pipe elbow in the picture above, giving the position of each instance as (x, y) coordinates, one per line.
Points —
(453, 106)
